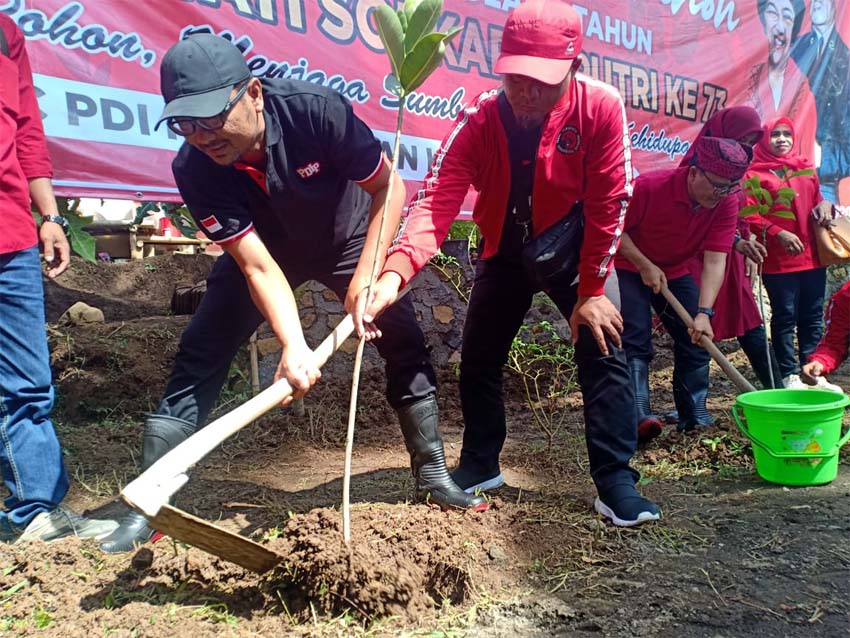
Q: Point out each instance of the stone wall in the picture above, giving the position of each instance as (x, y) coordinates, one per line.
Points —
(440, 310)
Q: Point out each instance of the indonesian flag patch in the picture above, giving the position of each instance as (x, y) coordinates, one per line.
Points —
(211, 224)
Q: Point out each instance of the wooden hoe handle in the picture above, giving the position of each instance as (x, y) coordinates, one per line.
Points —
(731, 371)
(154, 487)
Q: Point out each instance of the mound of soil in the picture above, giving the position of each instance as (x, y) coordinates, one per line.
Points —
(125, 290)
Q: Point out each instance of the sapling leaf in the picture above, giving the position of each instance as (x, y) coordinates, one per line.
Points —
(786, 214)
(421, 23)
(786, 193)
(392, 36)
(409, 8)
(402, 18)
(424, 59)
(81, 242)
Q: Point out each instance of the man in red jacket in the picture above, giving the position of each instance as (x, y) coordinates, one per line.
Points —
(550, 143)
(30, 454)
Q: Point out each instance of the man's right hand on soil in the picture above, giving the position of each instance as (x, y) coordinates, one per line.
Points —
(297, 365)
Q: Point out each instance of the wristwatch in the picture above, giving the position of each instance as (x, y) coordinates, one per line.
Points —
(709, 312)
(56, 219)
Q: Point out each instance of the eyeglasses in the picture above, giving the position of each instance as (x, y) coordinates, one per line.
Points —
(185, 126)
(721, 188)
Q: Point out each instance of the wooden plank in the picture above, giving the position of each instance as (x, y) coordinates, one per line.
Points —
(204, 535)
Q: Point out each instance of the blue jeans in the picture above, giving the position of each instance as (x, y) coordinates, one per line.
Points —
(30, 455)
(690, 362)
(796, 305)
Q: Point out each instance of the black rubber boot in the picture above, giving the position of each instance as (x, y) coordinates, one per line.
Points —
(428, 460)
(648, 424)
(690, 390)
(162, 433)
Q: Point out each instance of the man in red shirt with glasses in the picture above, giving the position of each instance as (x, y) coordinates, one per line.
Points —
(292, 184)
(675, 214)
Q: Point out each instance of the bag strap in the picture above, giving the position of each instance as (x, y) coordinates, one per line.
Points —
(522, 177)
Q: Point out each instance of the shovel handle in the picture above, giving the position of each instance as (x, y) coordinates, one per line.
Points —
(731, 371)
(154, 487)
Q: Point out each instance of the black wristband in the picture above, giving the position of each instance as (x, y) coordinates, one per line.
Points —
(709, 312)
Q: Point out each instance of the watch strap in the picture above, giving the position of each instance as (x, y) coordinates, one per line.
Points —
(709, 312)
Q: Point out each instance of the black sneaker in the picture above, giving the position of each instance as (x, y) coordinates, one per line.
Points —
(624, 507)
(470, 481)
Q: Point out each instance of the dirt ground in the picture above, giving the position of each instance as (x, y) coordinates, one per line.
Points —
(733, 556)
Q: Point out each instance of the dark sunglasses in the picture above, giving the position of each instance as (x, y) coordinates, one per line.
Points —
(185, 126)
(721, 189)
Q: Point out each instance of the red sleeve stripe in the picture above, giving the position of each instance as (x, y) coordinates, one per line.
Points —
(374, 173)
(233, 238)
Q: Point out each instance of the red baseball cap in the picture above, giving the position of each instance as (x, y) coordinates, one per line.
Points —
(541, 39)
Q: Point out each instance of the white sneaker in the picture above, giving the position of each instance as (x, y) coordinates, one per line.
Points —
(823, 384)
(794, 382)
(61, 522)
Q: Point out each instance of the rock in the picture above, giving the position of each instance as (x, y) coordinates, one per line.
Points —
(268, 346)
(443, 314)
(82, 313)
(308, 320)
(306, 300)
(143, 559)
(497, 554)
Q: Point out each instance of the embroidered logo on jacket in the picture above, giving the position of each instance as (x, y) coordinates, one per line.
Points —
(569, 140)
(309, 170)
(211, 224)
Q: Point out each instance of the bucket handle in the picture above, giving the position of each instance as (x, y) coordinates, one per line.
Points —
(741, 420)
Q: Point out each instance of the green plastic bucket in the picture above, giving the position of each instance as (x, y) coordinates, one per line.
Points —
(796, 434)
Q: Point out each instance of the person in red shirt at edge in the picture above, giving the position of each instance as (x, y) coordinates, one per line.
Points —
(833, 347)
(675, 214)
(558, 138)
(30, 453)
(792, 274)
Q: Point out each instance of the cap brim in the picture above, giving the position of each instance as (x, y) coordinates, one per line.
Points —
(199, 105)
(544, 70)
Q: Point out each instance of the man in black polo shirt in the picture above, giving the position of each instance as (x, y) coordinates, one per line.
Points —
(291, 183)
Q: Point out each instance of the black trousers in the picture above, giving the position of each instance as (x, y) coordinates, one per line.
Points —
(501, 296)
(227, 317)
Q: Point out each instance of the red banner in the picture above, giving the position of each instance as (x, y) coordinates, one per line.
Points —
(675, 62)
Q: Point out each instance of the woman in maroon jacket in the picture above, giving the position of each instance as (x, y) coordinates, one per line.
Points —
(793, 276)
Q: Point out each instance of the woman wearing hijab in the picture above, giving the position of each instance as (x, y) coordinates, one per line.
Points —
(793, 276)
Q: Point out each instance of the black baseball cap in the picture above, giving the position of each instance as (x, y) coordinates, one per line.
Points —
(197, 76)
